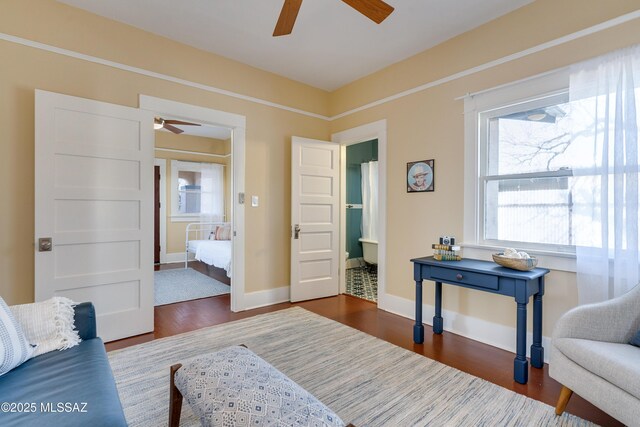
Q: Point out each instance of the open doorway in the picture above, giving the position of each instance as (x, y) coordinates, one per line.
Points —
(196, 161)
(202, 186)
(375, 131)
(362, 224)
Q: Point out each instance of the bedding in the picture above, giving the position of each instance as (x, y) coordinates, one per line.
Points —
(214, 252)
(193, 245)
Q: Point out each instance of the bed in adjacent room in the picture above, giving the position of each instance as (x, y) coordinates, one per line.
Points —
(210, 243)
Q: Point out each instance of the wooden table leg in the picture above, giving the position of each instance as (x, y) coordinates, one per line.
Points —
(437, 318)
(520, 364)
(537, 351)
(418, 328)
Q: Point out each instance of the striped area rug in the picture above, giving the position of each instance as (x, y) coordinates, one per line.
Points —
(367, 381)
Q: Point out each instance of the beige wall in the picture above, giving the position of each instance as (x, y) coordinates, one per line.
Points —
(24, 69)
(429, 124)
(195, 144)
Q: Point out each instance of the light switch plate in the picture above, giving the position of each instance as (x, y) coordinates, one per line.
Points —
(254, 201)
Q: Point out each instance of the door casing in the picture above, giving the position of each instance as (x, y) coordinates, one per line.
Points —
(375, 130)
(237, 124)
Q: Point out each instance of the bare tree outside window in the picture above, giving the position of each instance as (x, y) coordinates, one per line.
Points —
(528, 195)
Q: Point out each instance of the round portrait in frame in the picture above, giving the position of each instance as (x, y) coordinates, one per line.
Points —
(420, 176)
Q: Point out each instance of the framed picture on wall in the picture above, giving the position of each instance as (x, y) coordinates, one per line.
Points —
(420, 176)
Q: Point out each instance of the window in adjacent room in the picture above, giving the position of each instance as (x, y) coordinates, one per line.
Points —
(197, 191)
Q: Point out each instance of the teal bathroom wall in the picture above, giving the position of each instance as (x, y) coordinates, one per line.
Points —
(356, 154)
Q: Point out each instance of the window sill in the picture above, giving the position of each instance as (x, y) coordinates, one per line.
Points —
(185, 218)
(560, 261)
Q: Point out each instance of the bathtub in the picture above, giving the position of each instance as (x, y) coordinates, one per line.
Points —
(370, 250)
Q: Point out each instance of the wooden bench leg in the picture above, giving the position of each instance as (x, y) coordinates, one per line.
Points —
(175, 399)
(565, 395)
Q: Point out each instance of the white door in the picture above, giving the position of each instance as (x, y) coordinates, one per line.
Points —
(315, 174)
(94, 199)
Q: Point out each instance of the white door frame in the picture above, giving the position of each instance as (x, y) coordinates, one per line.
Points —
(237, 124)
(162, 163)
(376, 130)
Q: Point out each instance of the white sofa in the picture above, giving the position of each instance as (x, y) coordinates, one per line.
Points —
(591, 356)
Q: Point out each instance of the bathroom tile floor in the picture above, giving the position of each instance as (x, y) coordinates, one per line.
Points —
(362, 282)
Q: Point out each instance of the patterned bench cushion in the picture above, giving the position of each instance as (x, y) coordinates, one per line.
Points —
(235, 387)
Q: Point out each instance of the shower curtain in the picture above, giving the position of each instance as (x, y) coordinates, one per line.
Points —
(370, 200)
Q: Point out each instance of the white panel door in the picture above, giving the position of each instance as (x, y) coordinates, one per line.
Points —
(315, 174)
(94, 199)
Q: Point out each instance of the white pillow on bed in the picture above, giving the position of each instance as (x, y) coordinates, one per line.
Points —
(14, 347)
(223, 232)
(48, 324)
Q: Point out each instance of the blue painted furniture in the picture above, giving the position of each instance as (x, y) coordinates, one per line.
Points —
(487, 276)
(78, 375)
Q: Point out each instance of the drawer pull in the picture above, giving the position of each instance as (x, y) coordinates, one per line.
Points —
(459, 276)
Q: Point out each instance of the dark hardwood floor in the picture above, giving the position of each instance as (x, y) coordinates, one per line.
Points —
(482, 360)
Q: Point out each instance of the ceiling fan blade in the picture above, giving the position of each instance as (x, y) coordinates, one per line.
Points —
(172, 128)
(376, 10)
(180, 122)
(287, 17)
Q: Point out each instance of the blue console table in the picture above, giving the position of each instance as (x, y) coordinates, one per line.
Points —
(488, 277)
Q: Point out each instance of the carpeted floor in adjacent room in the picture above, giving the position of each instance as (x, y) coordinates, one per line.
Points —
(184, 284)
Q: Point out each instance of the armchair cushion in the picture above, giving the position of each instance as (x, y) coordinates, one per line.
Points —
(635, 340)
(619, 364)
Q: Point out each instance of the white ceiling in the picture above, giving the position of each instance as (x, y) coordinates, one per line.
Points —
(331, 44)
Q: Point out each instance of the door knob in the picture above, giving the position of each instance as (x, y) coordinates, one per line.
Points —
(296, 231)
(45, 244)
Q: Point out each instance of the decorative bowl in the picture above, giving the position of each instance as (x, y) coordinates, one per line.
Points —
(522, 264)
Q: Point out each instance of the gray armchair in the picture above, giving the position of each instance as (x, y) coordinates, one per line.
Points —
(590, 356)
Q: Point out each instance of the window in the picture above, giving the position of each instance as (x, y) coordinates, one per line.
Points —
(520, 178)
(525, 174)
(197, 191)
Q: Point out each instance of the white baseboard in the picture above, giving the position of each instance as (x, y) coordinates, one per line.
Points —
(177, 257)
(263, 298)
(494, 334)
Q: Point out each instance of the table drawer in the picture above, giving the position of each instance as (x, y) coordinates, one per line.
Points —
(479, 280)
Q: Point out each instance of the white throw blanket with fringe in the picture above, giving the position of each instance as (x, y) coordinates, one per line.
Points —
(48, 325)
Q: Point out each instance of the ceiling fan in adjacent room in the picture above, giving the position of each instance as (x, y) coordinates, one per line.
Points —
(159, 123)
(376, 10)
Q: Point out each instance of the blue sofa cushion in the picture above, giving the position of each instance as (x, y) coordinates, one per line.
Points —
(85, 320)
(78, 375)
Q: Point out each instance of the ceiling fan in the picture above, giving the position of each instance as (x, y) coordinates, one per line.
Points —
(376, 10)
(159, 123)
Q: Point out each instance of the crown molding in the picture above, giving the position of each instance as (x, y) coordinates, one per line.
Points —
(505, 59)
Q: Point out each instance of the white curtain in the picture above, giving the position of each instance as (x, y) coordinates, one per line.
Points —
(605, 108)
(212, 192)
(370, 200)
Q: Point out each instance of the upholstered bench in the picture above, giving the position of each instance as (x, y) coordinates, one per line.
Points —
(234, 386)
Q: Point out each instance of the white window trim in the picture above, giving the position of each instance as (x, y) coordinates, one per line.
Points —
(191, 166)
(528, 90)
